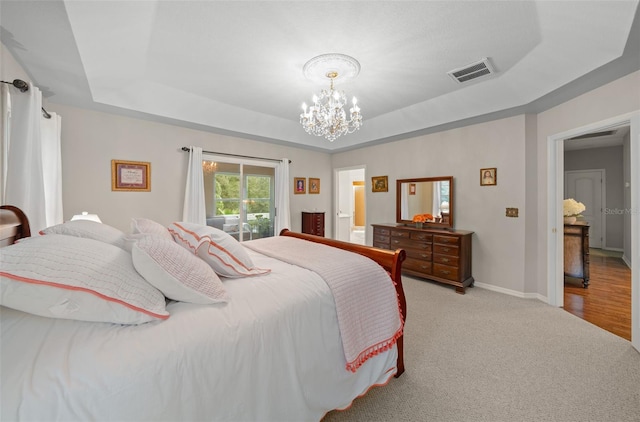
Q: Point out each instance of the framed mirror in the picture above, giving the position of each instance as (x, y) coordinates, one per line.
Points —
(427, 195)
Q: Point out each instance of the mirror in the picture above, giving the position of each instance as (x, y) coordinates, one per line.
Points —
(427, 195)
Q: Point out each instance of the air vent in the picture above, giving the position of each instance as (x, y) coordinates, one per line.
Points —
(595, 134)
(472, 71)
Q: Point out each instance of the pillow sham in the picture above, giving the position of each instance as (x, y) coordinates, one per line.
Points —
(223, 253)
(146, 226)
(176, 272)
(90, 230)
(60, 276)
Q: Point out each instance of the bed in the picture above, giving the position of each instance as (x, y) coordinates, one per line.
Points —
(273, 348)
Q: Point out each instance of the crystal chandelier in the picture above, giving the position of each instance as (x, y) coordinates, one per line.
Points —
(327, 116)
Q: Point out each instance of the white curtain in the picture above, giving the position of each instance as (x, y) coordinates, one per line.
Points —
(283, 214)
(52, 168)
(24, 185)
(194, 210)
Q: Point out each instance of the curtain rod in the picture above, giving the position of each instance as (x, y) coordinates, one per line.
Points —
(24, 87)
(236, 155)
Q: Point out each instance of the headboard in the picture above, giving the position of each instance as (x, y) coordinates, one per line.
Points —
(14, 225)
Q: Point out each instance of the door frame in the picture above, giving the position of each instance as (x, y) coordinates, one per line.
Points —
(555, 190)
(336, 194)
(603, 202)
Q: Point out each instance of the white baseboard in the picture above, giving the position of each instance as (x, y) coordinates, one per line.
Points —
(626, 261)
(512, 292)
(613, 249)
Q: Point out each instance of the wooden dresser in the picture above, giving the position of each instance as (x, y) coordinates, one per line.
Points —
(436, 254)
(313, 223)
(576, 252)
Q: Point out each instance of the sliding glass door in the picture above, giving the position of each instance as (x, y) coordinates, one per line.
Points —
(239, 197)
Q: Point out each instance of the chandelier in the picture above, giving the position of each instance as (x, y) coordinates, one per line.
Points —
(327, 116)
(209, 166)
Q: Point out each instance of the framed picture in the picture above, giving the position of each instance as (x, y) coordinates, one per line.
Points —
(130, 176)
(489, 177)
(299, 185)
(412, 188)
(314, 185)
(379, 184)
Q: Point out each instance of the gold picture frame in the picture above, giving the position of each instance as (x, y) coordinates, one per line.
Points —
(299, 185)
(314, 185)
(133, 176)
(489, 176)
(380, 184)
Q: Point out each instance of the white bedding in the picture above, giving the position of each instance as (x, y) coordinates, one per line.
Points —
(272, 353)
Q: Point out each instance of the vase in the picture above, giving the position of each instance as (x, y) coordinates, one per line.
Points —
(418, 225)
(569, 220)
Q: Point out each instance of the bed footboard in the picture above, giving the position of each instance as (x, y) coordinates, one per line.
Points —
(389, 260)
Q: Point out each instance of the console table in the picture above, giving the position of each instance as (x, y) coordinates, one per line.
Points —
(440, 255)
(576, 252)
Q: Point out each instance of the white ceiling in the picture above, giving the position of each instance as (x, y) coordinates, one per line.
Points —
(235, 67)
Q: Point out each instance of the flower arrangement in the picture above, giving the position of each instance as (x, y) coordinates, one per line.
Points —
(572, 208)
(422, 218)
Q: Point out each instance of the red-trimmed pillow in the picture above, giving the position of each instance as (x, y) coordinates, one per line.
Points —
(222, 252)
(176, 272)
(69, 277)
(146, 226)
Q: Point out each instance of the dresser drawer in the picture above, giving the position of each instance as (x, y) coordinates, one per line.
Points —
(381, 231)
(396, 233)
(423, 237)
(417, 265)
(424, 255)
(446, 260)
(446, 240)
(409, 244)
(445, 271)
(380, 238)
(446, 250)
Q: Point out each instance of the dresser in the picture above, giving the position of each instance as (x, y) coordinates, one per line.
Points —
(440, 255)
(313, 223)
(576, 252)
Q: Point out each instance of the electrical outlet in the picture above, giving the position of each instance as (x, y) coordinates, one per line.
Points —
(512, 212)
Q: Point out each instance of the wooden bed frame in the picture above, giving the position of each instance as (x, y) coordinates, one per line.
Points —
(14, 225)
(389, 260)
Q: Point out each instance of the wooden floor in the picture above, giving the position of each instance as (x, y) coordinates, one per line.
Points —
(607, 301)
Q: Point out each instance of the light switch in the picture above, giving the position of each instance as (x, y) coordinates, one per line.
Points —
(512, 212)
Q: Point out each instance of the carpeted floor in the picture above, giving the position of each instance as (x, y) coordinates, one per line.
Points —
(486, 356)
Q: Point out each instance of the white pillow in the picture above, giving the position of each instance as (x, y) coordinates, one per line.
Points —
(222, 252)
(90, 230)
(69, 277)
(146, 226)
(178, 273)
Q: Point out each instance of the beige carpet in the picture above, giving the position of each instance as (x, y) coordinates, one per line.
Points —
(485, 356)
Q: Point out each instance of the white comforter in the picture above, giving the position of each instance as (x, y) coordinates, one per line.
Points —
(272, 353)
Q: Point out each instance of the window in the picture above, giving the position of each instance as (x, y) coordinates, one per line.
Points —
(240, 198)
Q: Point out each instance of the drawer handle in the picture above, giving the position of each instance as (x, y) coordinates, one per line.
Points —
(444, 259)
(445, 272)
(424, 267)
(423, 256)
(445, 249)
(396, 241)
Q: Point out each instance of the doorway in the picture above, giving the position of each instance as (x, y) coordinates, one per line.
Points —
(351, 205)
(555, 191)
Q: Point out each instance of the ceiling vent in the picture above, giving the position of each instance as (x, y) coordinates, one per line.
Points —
(472, 71)
(594, 135)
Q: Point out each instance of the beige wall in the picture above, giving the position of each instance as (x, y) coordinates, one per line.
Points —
(498, 242)
(90, 140)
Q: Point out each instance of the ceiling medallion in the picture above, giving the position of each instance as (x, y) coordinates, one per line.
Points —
(327, 117)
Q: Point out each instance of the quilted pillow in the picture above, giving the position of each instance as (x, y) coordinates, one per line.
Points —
(90, 230)
(176, 272)
(69, 277)
(146, 226)
(222, 252)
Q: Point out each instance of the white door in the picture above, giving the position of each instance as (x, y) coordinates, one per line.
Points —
(587, 186)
